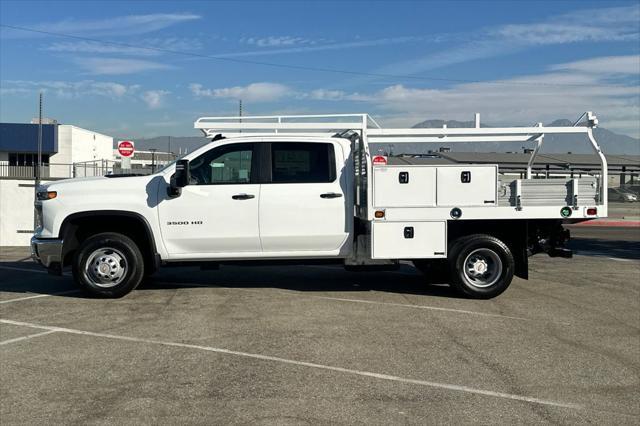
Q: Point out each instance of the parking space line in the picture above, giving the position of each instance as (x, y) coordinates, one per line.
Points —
(435, 308)
(444, 386)
(37, 296)
(31, 336)
(344, 299)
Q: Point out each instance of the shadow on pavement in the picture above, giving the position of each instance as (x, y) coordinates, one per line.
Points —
(605, 248)
(304, 279)
(309, 278)
(14, 278)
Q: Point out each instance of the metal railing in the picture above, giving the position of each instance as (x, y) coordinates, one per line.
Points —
(73, 170)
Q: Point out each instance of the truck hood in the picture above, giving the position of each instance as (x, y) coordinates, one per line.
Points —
(98, 183)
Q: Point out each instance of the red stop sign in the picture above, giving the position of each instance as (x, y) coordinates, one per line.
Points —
(125, 148)
(379, 160)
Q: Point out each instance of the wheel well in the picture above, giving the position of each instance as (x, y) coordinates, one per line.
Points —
(80, 226)
(512, 232)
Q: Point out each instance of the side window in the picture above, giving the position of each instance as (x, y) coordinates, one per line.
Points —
(228, 164)
(300, 162)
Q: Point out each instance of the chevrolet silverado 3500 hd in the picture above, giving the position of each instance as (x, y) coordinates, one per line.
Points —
(307, 188)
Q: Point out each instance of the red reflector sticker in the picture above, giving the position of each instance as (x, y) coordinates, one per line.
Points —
(592, 211)
(379, 160)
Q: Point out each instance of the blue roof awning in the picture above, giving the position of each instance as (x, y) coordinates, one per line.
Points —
(21, 137)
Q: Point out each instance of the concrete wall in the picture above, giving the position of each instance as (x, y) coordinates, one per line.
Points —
(16, 212)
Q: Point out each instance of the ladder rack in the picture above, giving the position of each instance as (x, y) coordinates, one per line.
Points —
(370, 132)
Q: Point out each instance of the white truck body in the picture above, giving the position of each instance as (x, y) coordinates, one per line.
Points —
(285, 187)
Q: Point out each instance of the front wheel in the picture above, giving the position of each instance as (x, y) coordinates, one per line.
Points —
(108, 265)
(481, 266)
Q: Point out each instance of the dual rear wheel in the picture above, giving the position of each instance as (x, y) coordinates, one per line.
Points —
(479, 266)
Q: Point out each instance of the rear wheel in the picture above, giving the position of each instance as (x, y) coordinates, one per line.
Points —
(108, 265)
(481, 266)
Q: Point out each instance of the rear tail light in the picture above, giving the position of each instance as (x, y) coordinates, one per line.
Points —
(592, 211)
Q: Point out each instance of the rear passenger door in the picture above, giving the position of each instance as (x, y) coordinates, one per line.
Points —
(303, 206)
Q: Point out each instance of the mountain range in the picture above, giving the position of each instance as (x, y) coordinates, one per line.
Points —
(610, 142)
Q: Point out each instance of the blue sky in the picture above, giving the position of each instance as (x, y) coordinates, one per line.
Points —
(514, 62)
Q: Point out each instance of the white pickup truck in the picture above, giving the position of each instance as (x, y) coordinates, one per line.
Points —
(307, 188)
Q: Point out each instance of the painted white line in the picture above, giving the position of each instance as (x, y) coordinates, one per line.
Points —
(343, 299)
(620, 259)
(37, 296)
(37, 271)
(402, 305)
(31, 336)
(604, 255)
(445, 386)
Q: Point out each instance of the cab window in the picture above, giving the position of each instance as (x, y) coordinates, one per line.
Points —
(225, 165)
(302, 162)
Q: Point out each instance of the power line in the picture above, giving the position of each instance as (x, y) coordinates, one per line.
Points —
(293, 66)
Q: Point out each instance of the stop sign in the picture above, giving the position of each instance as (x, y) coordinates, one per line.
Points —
(379, 160)
(125, 148)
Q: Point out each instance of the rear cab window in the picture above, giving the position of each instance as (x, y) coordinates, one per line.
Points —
(302, 162)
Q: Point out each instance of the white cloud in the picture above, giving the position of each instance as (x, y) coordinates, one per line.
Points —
(327, 95)
(319, 46)
(171, 43)
(565, 91)
(591, 25)
(68, 90)
(96, 47)
(254, 92)
(113, 27)
(277, 41)
(629, 64)
(118, 66)
(154, 98)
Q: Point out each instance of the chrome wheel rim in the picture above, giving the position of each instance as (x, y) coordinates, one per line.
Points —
(106, 267)
(482, 268)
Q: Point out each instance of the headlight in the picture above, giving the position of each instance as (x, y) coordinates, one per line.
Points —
(46, 195)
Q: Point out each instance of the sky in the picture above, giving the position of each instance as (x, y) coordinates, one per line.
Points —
(147, 68)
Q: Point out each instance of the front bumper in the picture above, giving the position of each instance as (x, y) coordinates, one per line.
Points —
(47, 252)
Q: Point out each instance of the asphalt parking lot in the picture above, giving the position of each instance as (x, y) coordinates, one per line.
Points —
(316, 344)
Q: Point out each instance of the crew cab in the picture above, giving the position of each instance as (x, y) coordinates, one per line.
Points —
(282, 188)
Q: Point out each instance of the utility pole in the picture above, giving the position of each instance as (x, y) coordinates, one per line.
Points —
(153, 159)
(38, 167)
(169, 147)
(240, 111)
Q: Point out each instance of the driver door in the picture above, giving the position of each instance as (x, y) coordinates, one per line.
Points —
(217, 213)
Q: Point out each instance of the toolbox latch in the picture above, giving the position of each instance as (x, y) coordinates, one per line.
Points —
(408, 231)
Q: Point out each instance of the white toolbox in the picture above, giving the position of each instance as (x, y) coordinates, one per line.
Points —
(409, 240)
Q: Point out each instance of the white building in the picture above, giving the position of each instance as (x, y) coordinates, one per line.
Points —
(67, 151)
(62, 146)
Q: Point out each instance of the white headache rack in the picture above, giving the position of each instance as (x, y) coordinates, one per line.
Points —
(370, 131)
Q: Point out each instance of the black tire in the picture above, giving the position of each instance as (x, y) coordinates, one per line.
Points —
(108, 265)
(436, 271)
(481, 266)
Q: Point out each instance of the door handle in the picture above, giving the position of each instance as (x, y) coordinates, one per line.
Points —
(243, 196)
(330, 195)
